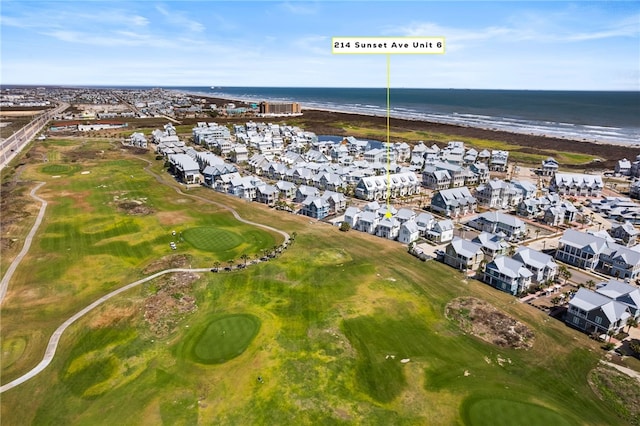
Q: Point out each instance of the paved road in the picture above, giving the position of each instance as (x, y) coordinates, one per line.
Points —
(52, 346)
(4, 284)
(12, 145)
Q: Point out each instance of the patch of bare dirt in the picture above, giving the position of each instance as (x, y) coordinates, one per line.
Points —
(168, 262)
(112, 316)
(171, 301)
(135, 208)
(483, 320)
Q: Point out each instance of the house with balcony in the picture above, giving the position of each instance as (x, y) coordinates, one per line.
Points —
(493, 245)
(388, 227)
(441, 232)
(508, 275)
(498, 161)
(463, 254)
(185, 168)
(336, 200)
(409, 232)
(622, 292)
(549, 167)
(592, 312)
(454, 202)
(267, 194)
(425, 222)
(496, 222)
(624, 233)
(543, 267)
(578, 185)
(315, 207)
(367, 222)
(497, 194)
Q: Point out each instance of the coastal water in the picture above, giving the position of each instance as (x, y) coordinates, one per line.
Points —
(610, 117)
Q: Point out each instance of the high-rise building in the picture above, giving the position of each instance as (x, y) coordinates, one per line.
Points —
(279, 108)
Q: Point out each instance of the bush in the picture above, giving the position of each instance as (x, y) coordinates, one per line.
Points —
(608, 346)
(344, 226)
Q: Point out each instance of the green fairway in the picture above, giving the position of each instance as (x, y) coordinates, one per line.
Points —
(341, 327)
(502, 412)
(224, 338)
(212, 239)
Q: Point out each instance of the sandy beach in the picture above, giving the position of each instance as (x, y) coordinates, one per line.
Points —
(322, 122)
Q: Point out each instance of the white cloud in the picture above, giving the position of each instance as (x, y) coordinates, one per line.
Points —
(179, 19)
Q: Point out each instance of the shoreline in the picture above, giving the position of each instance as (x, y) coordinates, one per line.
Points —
(428, 120)
(321, 121)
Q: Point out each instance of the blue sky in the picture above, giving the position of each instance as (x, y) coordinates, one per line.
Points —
(494, 45)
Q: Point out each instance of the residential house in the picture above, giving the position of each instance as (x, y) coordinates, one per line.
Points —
(543, 267)
(351, 216)
(508, 275)
(622, 292)
(454, 202)
(549, 167)
(441, 232)
(368, 222)
(593, 252)
(377, 187)
(623, 167)
(388, 227)
(337, 201)
(185, 168)
(463, 254)
(315, 207)
(425, 222)
(593, 312)
(495, 222)
(287, 190)
(498, 161)
(409, 232)
(581, 185)
(497, 194)
(624, 233)
(493, 245)
(267, 194)
(304, 191)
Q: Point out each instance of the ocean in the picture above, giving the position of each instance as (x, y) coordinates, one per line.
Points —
(607, 117)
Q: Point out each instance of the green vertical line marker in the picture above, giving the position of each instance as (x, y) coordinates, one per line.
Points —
(388, 213)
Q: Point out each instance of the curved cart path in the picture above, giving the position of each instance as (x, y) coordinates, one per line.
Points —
(52, 346)
(4, 284)
(55, 338)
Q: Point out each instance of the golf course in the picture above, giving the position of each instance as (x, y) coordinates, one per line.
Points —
(338, 328)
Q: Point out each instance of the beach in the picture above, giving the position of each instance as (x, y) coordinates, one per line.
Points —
(322, 122)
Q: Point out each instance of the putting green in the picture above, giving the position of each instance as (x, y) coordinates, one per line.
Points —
(225, 338)
(496, 412)
(211, 239)
(58, 169)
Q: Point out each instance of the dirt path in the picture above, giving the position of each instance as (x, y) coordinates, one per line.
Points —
(4, 284)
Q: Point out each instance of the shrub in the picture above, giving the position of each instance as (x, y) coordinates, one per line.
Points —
(344, 226)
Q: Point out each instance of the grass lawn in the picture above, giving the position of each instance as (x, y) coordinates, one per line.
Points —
(223, 338)
(342, 328)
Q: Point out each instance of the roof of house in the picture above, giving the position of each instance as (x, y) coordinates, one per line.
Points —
(588, 300)
(510, 267)
(534, 258)
(465, 248)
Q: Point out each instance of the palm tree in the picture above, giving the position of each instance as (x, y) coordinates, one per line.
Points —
(556, 301)
(565, 273)
(244, 257)
(631, 322)
(590, 284)
(610, 333)
(216, 266)
(231, 262)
